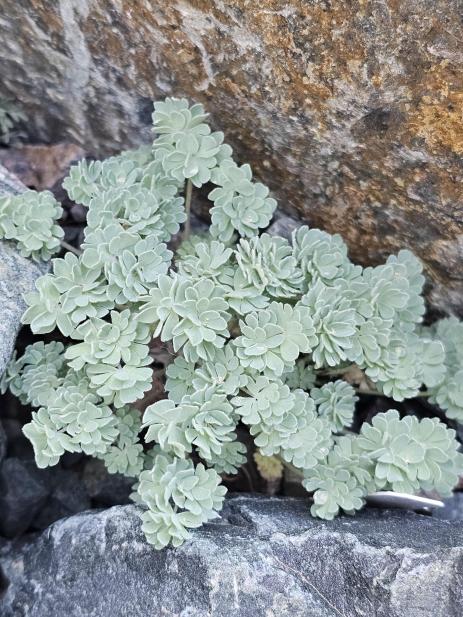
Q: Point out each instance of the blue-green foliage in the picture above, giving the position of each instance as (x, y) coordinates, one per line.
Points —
(257, 325)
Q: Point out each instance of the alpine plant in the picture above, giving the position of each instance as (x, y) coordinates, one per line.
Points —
(276, 337)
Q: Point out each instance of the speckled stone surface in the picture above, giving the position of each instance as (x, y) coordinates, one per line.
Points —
(266, 557)
(17, 276)
(349, 111)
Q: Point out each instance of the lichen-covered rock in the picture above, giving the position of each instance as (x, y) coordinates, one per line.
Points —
(351, 112)
(17, 276)
(265, 558)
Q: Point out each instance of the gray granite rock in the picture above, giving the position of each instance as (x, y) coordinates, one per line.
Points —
(23, 492)
(264, 558)
(17, 276)
(67, 496)
(2, 443)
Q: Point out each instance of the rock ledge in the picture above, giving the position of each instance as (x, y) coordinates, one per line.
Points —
(264, 557)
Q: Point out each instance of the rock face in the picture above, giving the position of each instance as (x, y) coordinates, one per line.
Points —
(265, 558)
(17, 276)
(350, 112)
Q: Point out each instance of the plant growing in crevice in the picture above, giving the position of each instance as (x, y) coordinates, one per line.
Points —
(277, 336)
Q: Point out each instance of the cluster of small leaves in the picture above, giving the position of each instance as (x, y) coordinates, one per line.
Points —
(30, 219)
(257, 325)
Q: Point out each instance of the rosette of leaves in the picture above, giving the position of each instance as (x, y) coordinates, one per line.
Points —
(272, 339)
(212, 425)
(122, 340)
(341, 481)
(207, 260)
(204, 420)
(125, 456)
(336, 402)
(135, 207)
(80, 413)
(30, 219)
(334, 322)
(193, 315)
(320, 255)
(178, 497)
(173, 118)
(302, 375)
(36, 374)
(187, 246)
(67, 297)
(166, 423)
(145, 211)
(399, 375)
(267, 264)
(370, 345)
(119, 385)
(311, 441)
(268, 411)
(242, 297)
(49, 441)
(192, 157)
(89, 178)
(225, 373)
(334, 489)
(239, 204)
(388, 289)
(171, 206)
(410, 454)
(132, 272)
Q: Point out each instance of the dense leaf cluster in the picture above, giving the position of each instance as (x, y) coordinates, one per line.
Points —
(257, 325)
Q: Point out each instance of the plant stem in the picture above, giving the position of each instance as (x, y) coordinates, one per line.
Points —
(71, 248)
(188, 191)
